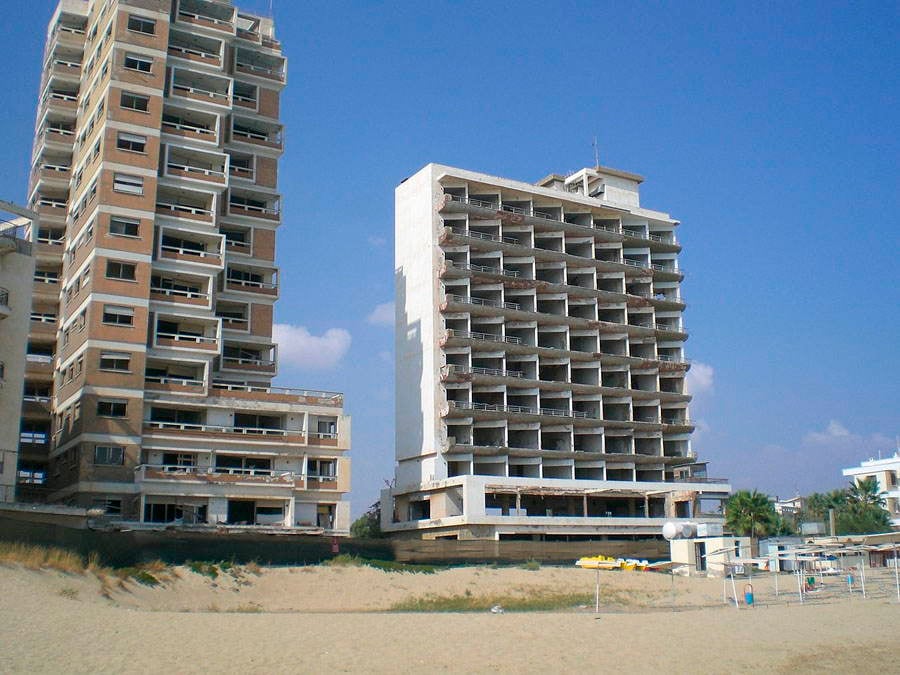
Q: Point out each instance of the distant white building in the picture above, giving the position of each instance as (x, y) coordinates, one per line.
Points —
(887, 473)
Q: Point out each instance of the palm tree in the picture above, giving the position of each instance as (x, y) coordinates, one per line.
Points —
(865, 493)
(750, 514)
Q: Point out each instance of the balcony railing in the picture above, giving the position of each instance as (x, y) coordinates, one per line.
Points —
(244, 361)
(197, 253)
(470, 300)
(521, 409)
(184, 126)
(264, 71)
(485, 236)
(215, 428)
(220, 97)
(181, 337)
(454, 369)
(186, 51)
(179, 381)
(191, 17)
(487, 337)
(191, 295)
(543, 215)
(184, 208)
(502, 271)
(208, 173)
(263, 285)
(334, 398)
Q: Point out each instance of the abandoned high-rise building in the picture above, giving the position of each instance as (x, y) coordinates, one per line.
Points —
(150, 352)
(540, 362)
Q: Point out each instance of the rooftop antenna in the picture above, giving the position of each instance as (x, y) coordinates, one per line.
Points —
(596, 152)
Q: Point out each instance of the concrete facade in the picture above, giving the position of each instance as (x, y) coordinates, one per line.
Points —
(887, 473)
(16, 272)
(540, 364)
(155, 176)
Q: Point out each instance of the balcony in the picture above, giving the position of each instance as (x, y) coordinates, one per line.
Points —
(179, 290)
(185, 204)
(254, 205)
(39, 364)
(5, 310)
(248, 358)
(41, 324)
(52, 172)
(253, 63)
(175, 385)
(216, 475)
(251, 434)
(181, 334)
(517, 410)
(197, 49)
(277, 394)
(200, 249)
(245, 95)
(61, 101)
(64, 67)
(191, 124)
(251, 280)
(50, 207)
(257, 134)
(201, 88)
(203, 167)
(58, 135)
(215, 17)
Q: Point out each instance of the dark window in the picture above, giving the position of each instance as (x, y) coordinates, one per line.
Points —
(118, 315)
(111, 408)
(120, 361)
(131, 142)
(120, 270)
(109, 454)
(123, 227)
(141, 25)
(138, 62)
(137, 102)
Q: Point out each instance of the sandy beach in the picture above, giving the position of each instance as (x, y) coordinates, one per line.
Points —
(323, 619)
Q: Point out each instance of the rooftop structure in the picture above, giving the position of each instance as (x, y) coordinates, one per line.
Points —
(540, 361)
(150, 354)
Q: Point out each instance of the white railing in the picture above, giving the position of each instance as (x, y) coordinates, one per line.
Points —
(671, 359)
(178, 469)
(243, 361)
(274, 139)
(181, 337)
(68, 29)
(54, 203)
(669, 328)
(487, 337)
(479, 370)
(204, 17)
(182, 126)
(327, 435)
(34, 398)
(543, 215)
(470, 300)
(60, 96)
(231, 319)
(41, 318)
(275, 72)
(242, 171)
(251, 284)
(180, 293)
(39, 358)
(485, 236)
(306, 393)
(67, 64)
(215, 428)
(243, 99)
(502, 271)
(195, 169)
(184, 208)
(181, 381)
(196, 90)
(60, 130)
(256, 209)
(194, 52)
(526, 410)
(190, 251)
(56, 167)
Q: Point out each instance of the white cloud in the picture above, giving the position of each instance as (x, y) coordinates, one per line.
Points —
(376, 241)
(299, 348)
(700, 378)
(834, 431)
(382, 315)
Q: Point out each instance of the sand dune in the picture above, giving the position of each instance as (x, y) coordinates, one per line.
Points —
(321, 619)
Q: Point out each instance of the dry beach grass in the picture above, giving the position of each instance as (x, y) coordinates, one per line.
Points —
(212, 617)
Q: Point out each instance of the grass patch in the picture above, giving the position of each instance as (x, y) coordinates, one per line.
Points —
(347, 560)
(543, 601)
(69, 593)
(253, 568)
(531, 565)
(205, 569)
(247, 608)
(41, 558)
(137, 574)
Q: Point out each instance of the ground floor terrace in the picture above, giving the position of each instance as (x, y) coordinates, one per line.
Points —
(486, 507)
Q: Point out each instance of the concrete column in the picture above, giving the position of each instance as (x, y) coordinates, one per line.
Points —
(289, 513)
(584, 505)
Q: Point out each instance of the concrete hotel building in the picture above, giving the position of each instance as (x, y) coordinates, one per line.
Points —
(150, 353)
(540, 362)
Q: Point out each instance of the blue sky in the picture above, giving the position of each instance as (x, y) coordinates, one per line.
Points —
(769, 130)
